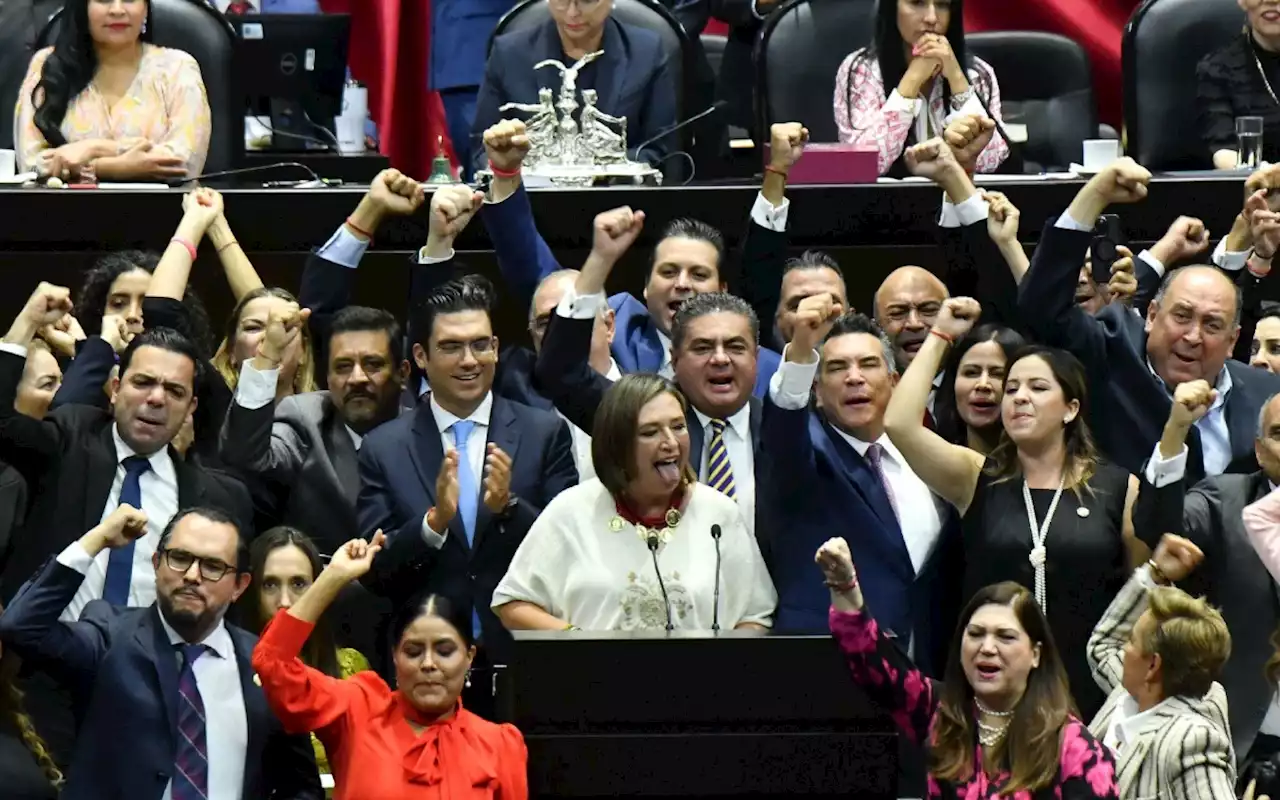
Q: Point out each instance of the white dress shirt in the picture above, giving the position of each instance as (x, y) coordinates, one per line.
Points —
(218, 677)
(587, 306)
(737, 441)
(474, 451)
(257, 387)
(1128, 723)
(582, 439)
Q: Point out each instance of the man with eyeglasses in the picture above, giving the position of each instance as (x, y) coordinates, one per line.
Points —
(138, 673)
(456, 484)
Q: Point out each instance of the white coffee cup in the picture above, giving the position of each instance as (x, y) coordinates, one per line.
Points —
(1099, 153)
(8, 163)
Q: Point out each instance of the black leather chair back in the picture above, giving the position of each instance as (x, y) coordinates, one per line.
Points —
(714, 44)
(1163, 42)
(199, 30)
(1045, 84)
(805, 41)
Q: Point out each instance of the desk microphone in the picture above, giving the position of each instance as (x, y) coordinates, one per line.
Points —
(666, 601)
(706, 112)
(176, 182)
(715, 608)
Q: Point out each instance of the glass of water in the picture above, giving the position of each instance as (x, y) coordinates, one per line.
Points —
(1249, 139)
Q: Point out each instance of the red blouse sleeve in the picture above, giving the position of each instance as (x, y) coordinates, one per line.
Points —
(513, 765)
(303, 698)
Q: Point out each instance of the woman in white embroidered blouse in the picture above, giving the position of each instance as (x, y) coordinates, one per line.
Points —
(919, 49)
(592, 558)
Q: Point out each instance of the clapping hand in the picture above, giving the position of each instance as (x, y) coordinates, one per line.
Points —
(1176, 557)
(351, 561)
(452, 208)
(957, 316)
(506, 143)
(814, 317)
(447, 491)
(1191, 401)
(614, 232)
(497, 479)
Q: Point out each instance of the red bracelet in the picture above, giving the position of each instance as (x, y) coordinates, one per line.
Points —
(358, 229)
(503, 173)
(191, 248)
(843, 587)
(776, 171)
(946, 337)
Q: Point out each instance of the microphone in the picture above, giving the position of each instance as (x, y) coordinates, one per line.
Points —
(177, 182)
(706, 112)
(715, 608)
(666, 601)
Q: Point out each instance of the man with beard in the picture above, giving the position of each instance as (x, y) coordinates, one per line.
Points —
(138, 673)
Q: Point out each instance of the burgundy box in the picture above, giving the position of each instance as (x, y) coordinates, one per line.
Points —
(834, 163)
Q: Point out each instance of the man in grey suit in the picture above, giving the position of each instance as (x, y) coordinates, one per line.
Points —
(1157, 651)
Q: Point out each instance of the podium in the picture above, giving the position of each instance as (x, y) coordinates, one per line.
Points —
(694, 714)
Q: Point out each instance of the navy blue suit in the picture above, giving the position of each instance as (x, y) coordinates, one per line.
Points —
(632, 79)
(399, 463)
(123, 672)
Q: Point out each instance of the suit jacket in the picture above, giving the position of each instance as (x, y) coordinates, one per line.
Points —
(1130, 404)
(1185, 753)
(122, 670)
(1232, 576)
(398, 465)
(460, 31)
(632, 78)
(69, 462)
(737, 68)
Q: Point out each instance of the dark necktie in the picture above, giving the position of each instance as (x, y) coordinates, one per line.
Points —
(120, 560)
(191, 761)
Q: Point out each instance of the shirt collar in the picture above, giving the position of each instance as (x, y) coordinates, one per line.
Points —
(161, 463)
(614, 374)
(218, 640)
(665, 340)
(1222, 385)
(862, 447)
(356, 439)
(740, 421)
(445, 420)
(1129, 723)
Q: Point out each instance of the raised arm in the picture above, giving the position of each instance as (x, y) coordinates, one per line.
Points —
(30, 445)
(1164, 505)
(200, 208)
(949, 470)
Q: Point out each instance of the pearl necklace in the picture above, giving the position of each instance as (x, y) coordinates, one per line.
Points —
(990, 735)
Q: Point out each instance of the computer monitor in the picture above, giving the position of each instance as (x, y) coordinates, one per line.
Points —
(295, 66)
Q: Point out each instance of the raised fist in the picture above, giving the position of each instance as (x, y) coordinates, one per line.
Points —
(930, 159)
(615, 231)
(396, 193)
(1002, 219)
(1176, 557)
(968, 137)
(814, 317)
(957, 316)
(452, 207)
(1191, 401)
(835, 561)
(506, 144)
(1122, 181)
(786, 144)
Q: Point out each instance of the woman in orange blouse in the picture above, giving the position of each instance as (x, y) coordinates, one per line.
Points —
(412, 741)
(104, 97)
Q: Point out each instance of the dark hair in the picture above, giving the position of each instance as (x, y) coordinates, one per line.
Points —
(689, 228)
(165, 339)
(706, 303)
(457, 614)
(853, 322)
(304, 380)
(320, 652)
(468, 293)
(91, 301)
(12, 708)
(1030, 750)
(946, 416)
(812, 259)
(1082, 454)
(213, 515)
(364, 318)
(69, 69)
(613, 434)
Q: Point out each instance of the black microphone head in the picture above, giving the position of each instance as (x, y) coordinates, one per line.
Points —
(715, 531)
(653, 542)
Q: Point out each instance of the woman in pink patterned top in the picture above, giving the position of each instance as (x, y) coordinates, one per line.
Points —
(919, 49)
(1002, 723)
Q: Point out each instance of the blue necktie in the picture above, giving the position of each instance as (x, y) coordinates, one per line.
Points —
(191, 759)
(120, 560)
(468, 494)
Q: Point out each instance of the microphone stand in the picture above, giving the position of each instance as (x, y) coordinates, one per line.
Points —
(715, 609)
(666, 601)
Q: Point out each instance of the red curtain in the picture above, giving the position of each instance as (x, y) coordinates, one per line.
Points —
(389, 41)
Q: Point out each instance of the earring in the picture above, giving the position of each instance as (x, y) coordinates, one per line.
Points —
(144, 25)
(467, 681)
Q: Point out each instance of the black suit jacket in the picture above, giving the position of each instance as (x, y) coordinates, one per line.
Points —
(399, 463)
(1129, 404)
(1232, 576)
(122, 670)
(737, 69)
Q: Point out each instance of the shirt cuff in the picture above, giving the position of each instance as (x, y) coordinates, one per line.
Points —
(15, 349)
(1163, 471)
(434, 540)
(343, 249)
(1229, 260)
(769, 216)
(257, 387)
(76, 557)
(575, 306)
(791, 384)
(1144, 576)
(966, 213)
(1070, 223)
(902, 105)
(1157, 266)
(971, 108)
(423, 258)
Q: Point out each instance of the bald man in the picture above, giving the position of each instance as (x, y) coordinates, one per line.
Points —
(906, 304)
(1135, 364)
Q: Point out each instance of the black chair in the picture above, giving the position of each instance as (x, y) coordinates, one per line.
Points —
(1163, 42)
(807, 39)
(714, 44)
(199, 30)
(1046, 83)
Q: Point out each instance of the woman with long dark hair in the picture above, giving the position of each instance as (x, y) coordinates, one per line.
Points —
(27, 769)
(1001, 722)
(914, 79)
(1041, 508)
(966, 407)
(104, 99)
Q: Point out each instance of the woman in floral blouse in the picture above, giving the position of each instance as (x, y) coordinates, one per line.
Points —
(1001, 723)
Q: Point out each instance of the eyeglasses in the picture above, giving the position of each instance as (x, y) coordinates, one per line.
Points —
(583, 5)
(211, 569)
(480, 348)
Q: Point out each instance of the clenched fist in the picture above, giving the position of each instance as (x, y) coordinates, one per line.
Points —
(1176, 557)
(452, 208)
(506, 144)
(786, 144)
(1191, 401)
(1123, 181)
(814, 317)
(957, 316)
(968, 137)
(1002, 219)
(931, 159)
(615, 231)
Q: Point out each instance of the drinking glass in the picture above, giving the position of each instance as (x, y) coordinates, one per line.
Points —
(1249, 139)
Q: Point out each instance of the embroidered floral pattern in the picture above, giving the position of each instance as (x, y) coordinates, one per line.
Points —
(642, 606)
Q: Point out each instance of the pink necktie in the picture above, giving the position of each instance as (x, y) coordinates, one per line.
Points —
(875, 454)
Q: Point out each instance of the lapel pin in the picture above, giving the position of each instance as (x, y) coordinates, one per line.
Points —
(1082, 512)
(257, 680)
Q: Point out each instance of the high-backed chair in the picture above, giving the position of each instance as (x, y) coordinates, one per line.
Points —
(196, 28)
(1045, 84)
(1163, 42)
(714, 44)
(806, 40)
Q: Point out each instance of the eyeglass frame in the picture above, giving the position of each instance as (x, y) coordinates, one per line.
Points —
(166, 555)
(583, 5)
(489, 350)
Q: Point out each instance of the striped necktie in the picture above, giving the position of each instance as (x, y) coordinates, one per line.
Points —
(719, 470)
(191, 761)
